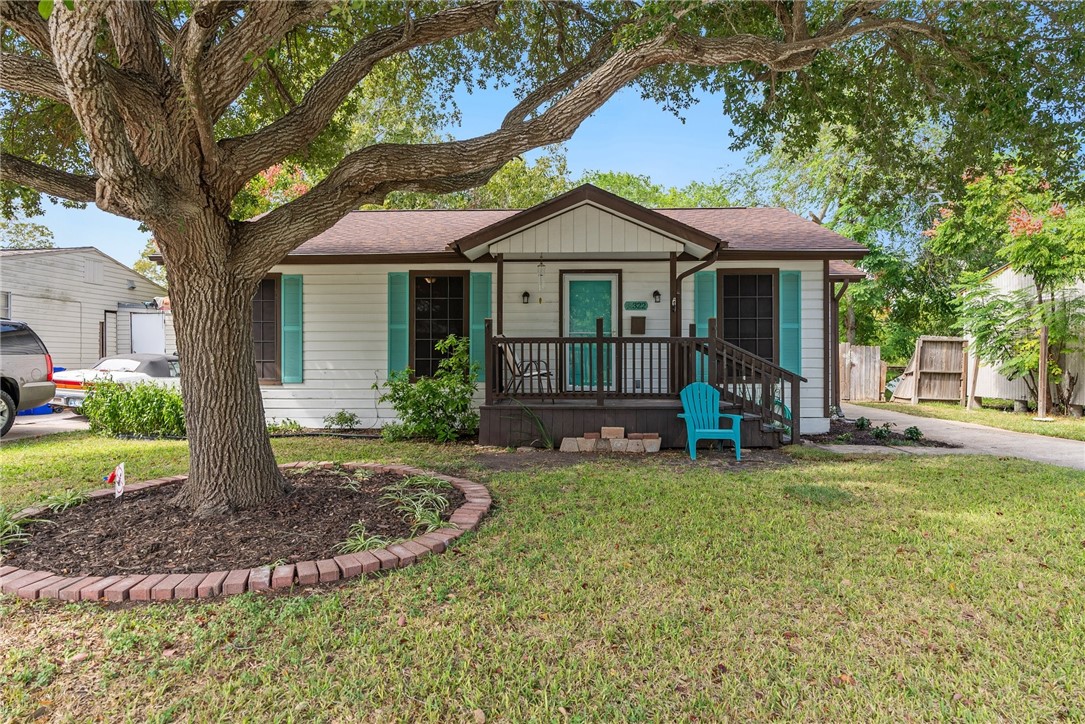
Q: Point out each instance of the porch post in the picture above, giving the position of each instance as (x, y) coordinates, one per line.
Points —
(710, 371)
(599, 359)
(488, 360)
(500, 294)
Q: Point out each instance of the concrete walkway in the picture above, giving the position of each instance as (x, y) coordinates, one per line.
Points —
(973, 439)
(28, 426)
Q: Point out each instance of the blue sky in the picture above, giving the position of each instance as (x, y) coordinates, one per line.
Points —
(627, 134)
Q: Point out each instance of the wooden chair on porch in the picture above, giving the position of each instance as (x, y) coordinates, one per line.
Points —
(532, 374)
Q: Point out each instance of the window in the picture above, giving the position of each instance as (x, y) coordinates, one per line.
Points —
(17, 338)
(5, 305)
(438, 309)
(265, 329)
(749, 312)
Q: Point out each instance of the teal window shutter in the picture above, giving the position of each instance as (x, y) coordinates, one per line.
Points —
(704, 300)
(292, 353)
(399, 321)
(480, 299)
(791, 321)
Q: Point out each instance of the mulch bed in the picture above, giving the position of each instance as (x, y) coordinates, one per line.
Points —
(144, 532)
(854, 436)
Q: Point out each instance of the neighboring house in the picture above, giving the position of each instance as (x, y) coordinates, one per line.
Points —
(84, 304)
(985, 381)
(741, 297)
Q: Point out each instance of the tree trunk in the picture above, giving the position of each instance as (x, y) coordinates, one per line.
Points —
(231, 462)
(851, 324)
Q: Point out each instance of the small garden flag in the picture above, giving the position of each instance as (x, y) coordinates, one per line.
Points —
(117, 478)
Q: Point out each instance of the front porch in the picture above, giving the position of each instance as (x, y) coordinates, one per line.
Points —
(542, 389)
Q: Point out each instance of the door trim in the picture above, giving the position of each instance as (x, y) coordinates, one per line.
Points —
(562, 273)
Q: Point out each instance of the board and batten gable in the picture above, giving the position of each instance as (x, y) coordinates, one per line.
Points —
(64, 293)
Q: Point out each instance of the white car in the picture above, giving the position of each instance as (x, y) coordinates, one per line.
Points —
(159, 369)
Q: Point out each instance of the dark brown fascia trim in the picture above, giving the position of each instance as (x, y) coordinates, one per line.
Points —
(452, 257)
(846, 278)
(797, 254)
(579, 195)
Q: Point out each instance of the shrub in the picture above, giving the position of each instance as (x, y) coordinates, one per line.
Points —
(882, 432)
(844, 437)
(437, 408)
(278, 427)
(359, 540)
(862, 424)
(146, 409)
(913, 433)
(342, 420)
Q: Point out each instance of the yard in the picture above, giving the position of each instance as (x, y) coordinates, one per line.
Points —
(1070, 428)
(805, 586)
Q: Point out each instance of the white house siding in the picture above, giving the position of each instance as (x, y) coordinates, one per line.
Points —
(586, 229)
(64, 293)
(345, 327)
(989, 383)
(812, 394)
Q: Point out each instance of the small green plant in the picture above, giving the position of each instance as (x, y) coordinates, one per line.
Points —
(440, 407)
(882, 432)
(913, 433)
(845, 437)
(11, 528)
(286, 425)
(342, 420)
(59, 502)
(355, 481)
(145, 410)
(358, 540)
(862, 424)
(544, 438)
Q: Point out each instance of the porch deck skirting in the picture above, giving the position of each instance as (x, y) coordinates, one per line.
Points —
(514, 424)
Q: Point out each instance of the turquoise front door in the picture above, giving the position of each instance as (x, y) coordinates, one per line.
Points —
(589, 297)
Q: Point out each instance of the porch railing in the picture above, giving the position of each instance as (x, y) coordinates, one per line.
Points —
(599, 368)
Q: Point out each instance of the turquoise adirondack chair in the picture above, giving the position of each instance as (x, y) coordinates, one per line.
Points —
(701, 411)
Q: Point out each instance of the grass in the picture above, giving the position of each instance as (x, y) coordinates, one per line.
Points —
(830, 588)
(1071, 428)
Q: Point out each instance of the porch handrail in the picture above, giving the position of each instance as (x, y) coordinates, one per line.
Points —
(752, 383)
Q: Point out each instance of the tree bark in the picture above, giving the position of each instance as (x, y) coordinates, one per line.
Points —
(851, 324)
(232, 464)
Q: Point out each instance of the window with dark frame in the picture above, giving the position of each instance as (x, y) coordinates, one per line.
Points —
(749, 312)
(440, 309)
(265, 330)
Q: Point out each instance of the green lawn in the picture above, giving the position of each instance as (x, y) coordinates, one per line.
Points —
(824, 588)
(1071, 428)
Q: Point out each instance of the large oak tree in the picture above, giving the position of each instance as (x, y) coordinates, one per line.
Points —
(164, 111)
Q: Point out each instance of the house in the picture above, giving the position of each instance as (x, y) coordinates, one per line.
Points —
(583, 311)
(985, 381)
(84, 304)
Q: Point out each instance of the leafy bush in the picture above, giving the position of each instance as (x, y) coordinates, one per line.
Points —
(862, 424)
(913, 433)
(844, 437)
(278, 427)
(882, 432)
(440, 407)
(145, 409)
(342, 420)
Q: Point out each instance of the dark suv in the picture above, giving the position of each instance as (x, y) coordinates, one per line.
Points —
(26, 372)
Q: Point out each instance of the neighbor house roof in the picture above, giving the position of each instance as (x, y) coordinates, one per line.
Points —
(50, 250)
(841, 271)
(739, 232)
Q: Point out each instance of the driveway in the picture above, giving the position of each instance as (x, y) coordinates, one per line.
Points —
(979, 439)
(27, 426)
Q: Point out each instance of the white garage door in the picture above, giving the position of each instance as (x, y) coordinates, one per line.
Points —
(149, 333)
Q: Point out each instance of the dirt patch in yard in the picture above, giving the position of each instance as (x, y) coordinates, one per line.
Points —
(843, 432)
(144, 532)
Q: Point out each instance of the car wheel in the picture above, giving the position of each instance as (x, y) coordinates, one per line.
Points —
(7, 413)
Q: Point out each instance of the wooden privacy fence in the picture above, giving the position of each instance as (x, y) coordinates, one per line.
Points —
(862, 373)
(937, 371)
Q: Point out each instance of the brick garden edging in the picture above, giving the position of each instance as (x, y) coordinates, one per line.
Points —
(32, 585)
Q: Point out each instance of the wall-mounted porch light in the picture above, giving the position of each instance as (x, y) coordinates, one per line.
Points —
(656, 296)
(526, 297)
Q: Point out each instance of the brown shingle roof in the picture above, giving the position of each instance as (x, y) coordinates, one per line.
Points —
(434, 231)
(841, 270)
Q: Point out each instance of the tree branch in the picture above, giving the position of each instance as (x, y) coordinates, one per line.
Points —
(62, 184)
(22, 16)
(248, 155)
(133, 26)
(34, 76)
